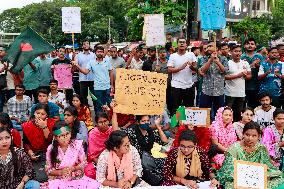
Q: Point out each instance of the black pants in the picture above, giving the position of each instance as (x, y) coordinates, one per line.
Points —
(85, 86)
(182, 97)
(76, 87)
(252, 98)
(237, 104)
(32, 94)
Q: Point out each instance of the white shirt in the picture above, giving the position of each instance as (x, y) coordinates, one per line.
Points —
(262, 117)
(183, 78)
(9, 77)
(236, 87)
(60, 97)
(137, 65)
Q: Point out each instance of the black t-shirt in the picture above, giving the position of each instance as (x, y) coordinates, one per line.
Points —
(58, 61)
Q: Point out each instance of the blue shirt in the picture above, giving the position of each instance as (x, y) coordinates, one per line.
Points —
(253, 83)
(83, 59)
(101, 73)
(53, 109)
(271, 83)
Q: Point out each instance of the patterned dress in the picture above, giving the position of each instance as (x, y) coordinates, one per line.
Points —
(171, 161)
(226, 174)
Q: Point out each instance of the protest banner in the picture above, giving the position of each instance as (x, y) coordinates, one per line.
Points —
(154, 29)
(139, 92)
(71, 19)
(199, 117)
(249, 175)
(63, 74)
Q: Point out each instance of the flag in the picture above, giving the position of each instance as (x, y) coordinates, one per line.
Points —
(92, 95)
(212, 14)
(26, 47)
(180, 115)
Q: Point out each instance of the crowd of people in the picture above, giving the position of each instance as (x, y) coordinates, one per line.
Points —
(52, 138)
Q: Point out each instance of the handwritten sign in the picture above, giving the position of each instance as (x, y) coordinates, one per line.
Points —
(139, 92)
(199, 117)
(63, 74)
(154, 29)
(71, 19)
(248, 175)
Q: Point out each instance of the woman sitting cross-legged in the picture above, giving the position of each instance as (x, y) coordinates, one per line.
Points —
(16, 170)
(187, 164)
(119, 166)
(66, 160)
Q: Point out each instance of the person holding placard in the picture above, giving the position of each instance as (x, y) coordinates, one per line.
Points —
(188, 163)
(249, 149)
(181, 65)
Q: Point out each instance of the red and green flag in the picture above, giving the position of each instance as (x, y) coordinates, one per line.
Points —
(180, 115)
(26, 47)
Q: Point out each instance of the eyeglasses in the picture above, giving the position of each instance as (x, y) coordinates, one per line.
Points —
(186, 147)
(103, 122)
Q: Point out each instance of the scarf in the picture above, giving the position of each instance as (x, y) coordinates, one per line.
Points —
(125, 166)
(195, 166)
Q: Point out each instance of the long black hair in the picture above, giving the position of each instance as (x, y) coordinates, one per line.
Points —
(54, 151)
(76, 125)
(5, 120)
(83, 101)
(12, 150)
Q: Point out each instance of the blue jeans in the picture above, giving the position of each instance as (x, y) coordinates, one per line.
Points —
(32, 184)
(103, 98)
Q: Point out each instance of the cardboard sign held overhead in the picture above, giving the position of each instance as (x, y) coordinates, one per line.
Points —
(71, 19)
(154, 29)
(139, 92)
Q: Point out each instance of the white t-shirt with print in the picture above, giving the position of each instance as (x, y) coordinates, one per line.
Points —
(263, 118)
(183, 78)
(236, 87)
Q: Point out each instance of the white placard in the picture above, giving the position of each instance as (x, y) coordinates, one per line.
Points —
(154, 29)
(250, 175)
(71, 19)
(197, 116)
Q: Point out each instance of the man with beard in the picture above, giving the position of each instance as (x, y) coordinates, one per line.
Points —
(254, 60)
(264, 113)
(115, 60)
(213, 69)
(147, 65)
(86, 81)
(238, 71)
(271, 74)
(181, 65)
(103, 78)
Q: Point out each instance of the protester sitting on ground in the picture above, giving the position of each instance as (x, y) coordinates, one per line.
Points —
(96, 142)
(247, 116)
(165, 122)
(37, 135)
(264, 113)
(18, 107)
(5, 121)
(273, 138)
(52, 108)
(188, 163)
(16, 170)
(66, 160)
(223, 135)
(249, 149)
(77, 127)
(84, 112)
(119, 166)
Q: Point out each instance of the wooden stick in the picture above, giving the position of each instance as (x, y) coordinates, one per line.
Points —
(73, 41)
(215, 41)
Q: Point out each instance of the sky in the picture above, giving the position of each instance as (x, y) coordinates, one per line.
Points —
(7, 4)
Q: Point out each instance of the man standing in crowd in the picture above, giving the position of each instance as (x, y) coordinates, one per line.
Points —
(147, 65)
(103, 78)
(56, 97)
(135, 60)
(254, 60)
(86, 81)
(270, 75)
(115, 60)
(263, 114)
(280, 48)
(224, 51)
(63, 60)
(31, 79)
(43, 99)
(181, 65)
(18, 107)
(45, 71)
(213, 69)
(238, 72)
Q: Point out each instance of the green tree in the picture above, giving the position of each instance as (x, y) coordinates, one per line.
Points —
(10, 20)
